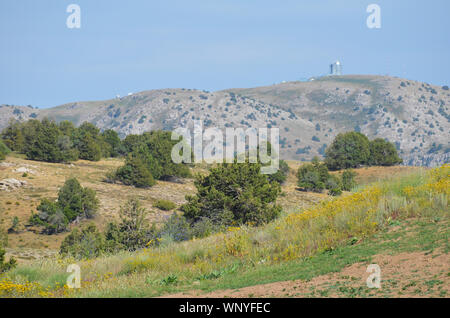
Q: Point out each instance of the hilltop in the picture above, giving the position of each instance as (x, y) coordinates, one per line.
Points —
(413, 115)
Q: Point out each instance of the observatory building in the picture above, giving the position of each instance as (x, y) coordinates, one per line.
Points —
(336, 68)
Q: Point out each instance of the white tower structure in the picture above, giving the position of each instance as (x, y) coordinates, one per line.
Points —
(336, 68)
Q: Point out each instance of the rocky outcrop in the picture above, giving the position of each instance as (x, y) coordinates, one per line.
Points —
(12, 184)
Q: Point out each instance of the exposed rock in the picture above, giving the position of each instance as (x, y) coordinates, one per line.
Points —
(12, 184)
(24, 170)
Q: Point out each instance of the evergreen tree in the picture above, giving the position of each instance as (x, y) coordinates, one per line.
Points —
(233, 194)
(348, 150)
(383, 153)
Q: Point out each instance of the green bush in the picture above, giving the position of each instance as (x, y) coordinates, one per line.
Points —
(233, 194)
(334, 185)
(313, 176)
(74, 202)
(176, 229)
(87, 243)
(383, 153)
(133, 232)
(348, 180)
(77, 201)
(51, 216)
(113, 142)
(281, 175)
(165, 205)
(353, 149)
(348, 150)
(135, 173)
(13, 136)
(47, 141)
(4, 150)
(149, 159)
(6, 266)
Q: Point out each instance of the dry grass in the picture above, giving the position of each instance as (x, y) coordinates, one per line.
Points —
(48, 177)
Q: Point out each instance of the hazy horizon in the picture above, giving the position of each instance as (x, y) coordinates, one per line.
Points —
(209, 45)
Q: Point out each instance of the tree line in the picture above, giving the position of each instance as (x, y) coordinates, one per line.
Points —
(49, 141)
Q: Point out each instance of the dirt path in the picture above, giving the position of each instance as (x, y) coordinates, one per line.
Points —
(402, 275)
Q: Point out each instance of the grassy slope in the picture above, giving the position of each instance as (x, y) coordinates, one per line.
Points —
(401, 237)
(246, 257)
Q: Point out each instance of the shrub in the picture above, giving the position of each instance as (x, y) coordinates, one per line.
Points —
(348, 150)
(87, 243)
(114, 143)
(233, 194)
(13, 136)
(51, 216)
(348, 180)
(353, 149)
(383, 153)
(281, 175)
(6, 266)
(89, 149)
(203, 228)
(176, 229)
(134, 172)
(334, 185)
(3, 150)
(309, 179)
(133, 231)
(313, 176)
(150, 158)
(14, 228)
(74, 203)
(165, 205)
(47, 141)
(42, 143)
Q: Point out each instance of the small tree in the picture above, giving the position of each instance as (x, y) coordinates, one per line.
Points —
(87, 243)
(309, 179)
(313, 176)
(51, 216)
(348, 180)
(13, 136)
(348, 150)
(134, 231)
(134, 172)
(176, 229)
(77, 201)
(74, 203)
(281, 175)
(113, 141)
(233, 194)
(3, 150)
(6, 266)
(14, 228)
(383, 153)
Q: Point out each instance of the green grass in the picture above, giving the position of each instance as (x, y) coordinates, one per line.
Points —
(320, 240)
(426, 236)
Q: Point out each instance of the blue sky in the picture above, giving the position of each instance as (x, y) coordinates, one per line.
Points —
(135, 45)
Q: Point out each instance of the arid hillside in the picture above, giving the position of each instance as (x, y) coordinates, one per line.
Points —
(42, 180)
(413, 115)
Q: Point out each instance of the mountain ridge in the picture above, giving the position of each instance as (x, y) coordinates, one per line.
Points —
(413, 115)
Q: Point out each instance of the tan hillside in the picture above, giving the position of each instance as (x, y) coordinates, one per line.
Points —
(412, 114)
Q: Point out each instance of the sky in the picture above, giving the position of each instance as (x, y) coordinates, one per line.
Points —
(137, 45)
